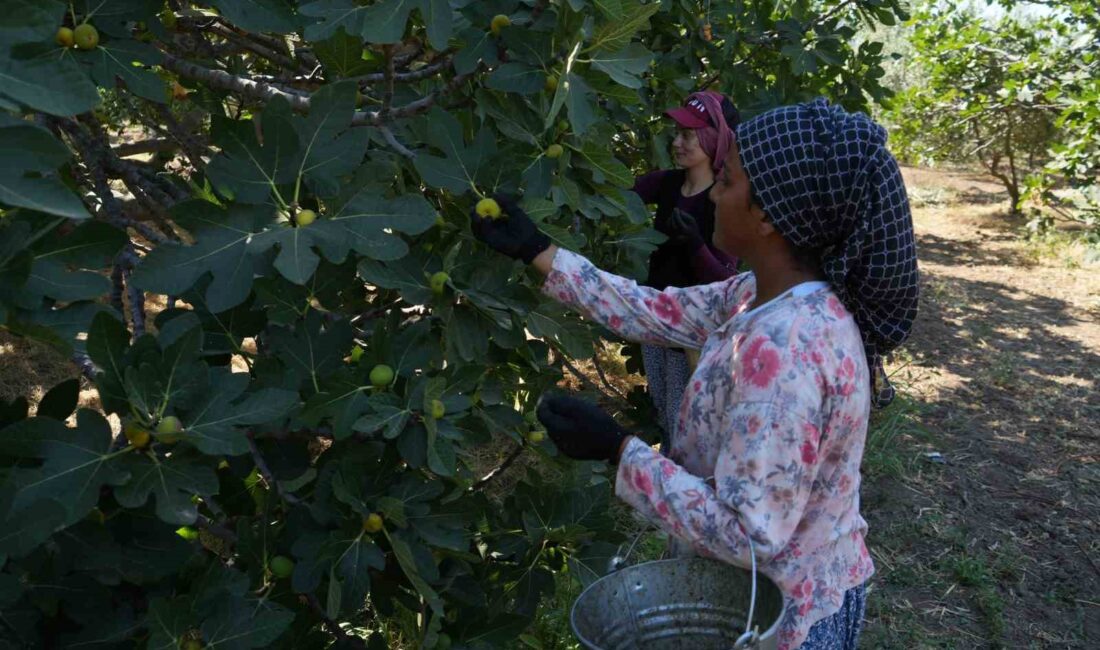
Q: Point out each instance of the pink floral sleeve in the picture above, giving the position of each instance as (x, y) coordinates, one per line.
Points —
(761, 485)
(675, 317)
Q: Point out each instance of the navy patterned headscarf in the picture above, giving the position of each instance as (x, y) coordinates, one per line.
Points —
(826, 182)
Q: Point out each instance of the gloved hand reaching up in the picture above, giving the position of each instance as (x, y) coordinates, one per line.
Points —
(513, 233)
(580, 429)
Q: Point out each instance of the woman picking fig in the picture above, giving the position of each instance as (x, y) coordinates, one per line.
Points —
(770, 431)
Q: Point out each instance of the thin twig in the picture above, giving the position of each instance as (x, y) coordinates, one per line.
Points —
(603, 377)
(512, 457)
(391, 140)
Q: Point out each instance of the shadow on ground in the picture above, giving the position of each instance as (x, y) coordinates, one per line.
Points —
(999, 547)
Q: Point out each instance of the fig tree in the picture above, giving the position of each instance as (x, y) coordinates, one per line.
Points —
(136, 434)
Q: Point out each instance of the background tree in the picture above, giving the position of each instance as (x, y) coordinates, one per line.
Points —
(981, 98)
(304, 422)
(1016, 94)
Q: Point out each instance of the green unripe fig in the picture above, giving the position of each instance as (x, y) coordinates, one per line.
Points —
(438, 410)
(191, 644)
(500, 21)
(305, 217)
(64, 37)
(168, 430)
(86, 37)
(535, 437)
(554, 151)
(356, 354)
(372, 523)
(136, 434)
(282, 566)
(381, 376)
(563, 125)
(488, 208)
(438, 282)
(551, 84)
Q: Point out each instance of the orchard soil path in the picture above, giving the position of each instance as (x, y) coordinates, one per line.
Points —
(995, 543)
(998, 546)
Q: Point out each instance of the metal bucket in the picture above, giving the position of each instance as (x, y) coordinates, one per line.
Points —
(678, 604)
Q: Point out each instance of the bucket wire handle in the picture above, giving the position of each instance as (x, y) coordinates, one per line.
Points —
(751, 637)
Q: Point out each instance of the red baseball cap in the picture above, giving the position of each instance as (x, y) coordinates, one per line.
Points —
(692, 115)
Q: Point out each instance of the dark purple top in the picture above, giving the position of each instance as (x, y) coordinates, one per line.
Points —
(709, 263)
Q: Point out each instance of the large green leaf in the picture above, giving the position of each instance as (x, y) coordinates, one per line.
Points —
(47, 195)
(47, 83)
(605, 167)
(213, 424)
(54, 280)
(171, 481)
(259, 15)
(76, 462)
(367, 224)
(126, 61)
(458, 169)
(30, 21)
(25, 147)
(342, 55)
(220, 248)
(416, 561)
(616, 34)
(407, 275)
(312, 351)
(21, 531)
(624, 65)
(329, 149)
(252, 171)
(346, 555)
(517, 78)
(160, 380)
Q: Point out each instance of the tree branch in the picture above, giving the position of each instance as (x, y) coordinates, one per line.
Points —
(154, 145)
(260, 91)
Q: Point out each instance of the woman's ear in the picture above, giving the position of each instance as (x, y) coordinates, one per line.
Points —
(763, 226)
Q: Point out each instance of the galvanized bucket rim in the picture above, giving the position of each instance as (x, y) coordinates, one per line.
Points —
(770, 632)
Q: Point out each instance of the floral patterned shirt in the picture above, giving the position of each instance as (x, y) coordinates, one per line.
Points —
(770, 433)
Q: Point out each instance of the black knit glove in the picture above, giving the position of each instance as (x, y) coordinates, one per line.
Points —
(581, 429)
(513, 234)
(684, 230)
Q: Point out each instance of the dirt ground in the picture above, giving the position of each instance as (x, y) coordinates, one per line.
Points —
(996, 541)
(983, 487)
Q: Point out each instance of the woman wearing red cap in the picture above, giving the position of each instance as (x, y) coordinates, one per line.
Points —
(685, 214)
